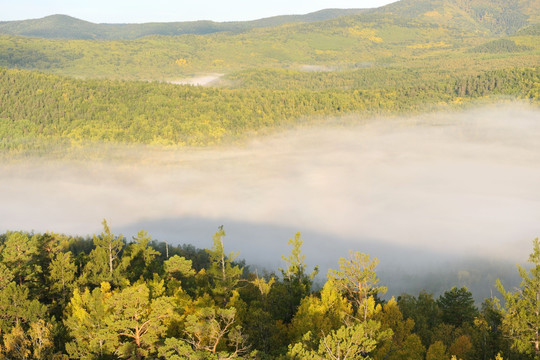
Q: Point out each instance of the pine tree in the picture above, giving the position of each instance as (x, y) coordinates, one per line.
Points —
(223, 274)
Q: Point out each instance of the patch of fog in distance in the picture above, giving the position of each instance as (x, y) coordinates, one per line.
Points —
(463, 183)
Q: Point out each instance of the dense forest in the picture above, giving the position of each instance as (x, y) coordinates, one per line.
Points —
(40, 109)
(107, 297)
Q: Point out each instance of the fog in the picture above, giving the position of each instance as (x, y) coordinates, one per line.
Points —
(424, 194)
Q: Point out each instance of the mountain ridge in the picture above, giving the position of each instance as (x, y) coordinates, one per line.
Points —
(60, 26)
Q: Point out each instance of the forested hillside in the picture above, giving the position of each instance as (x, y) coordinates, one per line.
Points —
(40, 109)
(428, 37)
(108, 298)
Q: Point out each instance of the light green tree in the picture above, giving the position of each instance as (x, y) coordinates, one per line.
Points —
(62, 271)
(179, 349)
(138, 320)
(87, 317)
(353, 341)
(224, 275)
(18, 254)
(213, 330)
(295, 272)
(104, 257)
(356, 278)
(360, 332)
(178, 267)
(285, 296)
(16, 308)
(137, 257)
(521, 322)
(320, 314)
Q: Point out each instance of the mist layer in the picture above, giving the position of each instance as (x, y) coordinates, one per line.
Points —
(452, 184)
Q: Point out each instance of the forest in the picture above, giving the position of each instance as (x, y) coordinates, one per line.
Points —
(107, 297)
(68, 85)
(40, 110)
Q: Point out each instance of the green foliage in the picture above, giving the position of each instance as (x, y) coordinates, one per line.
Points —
(500, 46)
(104, 258)
(19, 253)
(521, 322)
(44, 112)
(348, 342)
(224, 275)
(138, 320)
(437, 351)
(285, 296)
(213, 331)
(86, 319)
(177, 313)
(17, 308)
(62, 275)
(457, 307)
(320, 314)
(403, 344)
(296, 267)
(178, 266)
(424, 311)
(138, 258)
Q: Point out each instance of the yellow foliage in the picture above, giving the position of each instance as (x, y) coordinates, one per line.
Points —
(366, 33)
(263, 286)
(430, 45)
(105, 287)
(77, 306)
(181, 62)
(17, 344)
(325, 52)
(433, 13)
(320, 315)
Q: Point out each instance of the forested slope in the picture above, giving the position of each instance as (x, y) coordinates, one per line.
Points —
(38, 108)
(408, 34)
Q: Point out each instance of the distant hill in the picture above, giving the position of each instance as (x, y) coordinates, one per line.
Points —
(431, 38)
(67, 27)
(486, 16)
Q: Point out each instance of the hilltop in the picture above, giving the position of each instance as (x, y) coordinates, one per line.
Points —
(67, 27)
(481, 16)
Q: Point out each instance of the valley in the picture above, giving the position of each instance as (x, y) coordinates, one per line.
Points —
(135, 157)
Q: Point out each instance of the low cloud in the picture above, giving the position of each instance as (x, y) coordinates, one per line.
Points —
(455, 184)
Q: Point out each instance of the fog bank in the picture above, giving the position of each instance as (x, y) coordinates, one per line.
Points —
(423, 189)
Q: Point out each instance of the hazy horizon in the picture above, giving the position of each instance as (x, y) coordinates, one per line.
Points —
(171, 11)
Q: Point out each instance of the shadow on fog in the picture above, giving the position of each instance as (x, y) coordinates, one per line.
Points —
(403, 269)
(441, 199)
